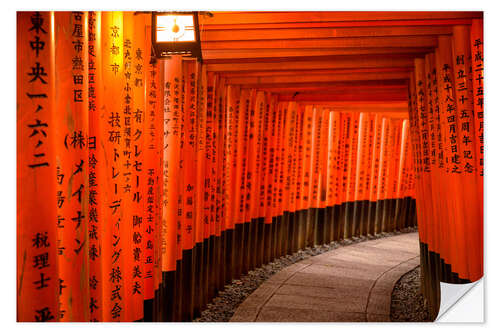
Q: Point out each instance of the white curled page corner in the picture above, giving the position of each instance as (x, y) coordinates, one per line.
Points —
(461, 303)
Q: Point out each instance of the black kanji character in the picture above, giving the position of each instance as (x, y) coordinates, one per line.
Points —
(77, 63)
(41, 240)
(115, 276)
(78, 219)
(93, 282)
(116, 255)
(77, 31)
(136, 272)
(79, 168)
(80, 244)
(79, 193)
(115, 312)
(42, 283)
(43, 315)
(136, 288)
(115, 205)
(77, 139)
(37, 45)
(115, 293)
(37, 21)
(38, 72)
(93, 306)
(41, 260)
(61, 286)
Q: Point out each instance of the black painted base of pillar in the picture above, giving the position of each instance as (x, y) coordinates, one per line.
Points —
(238, 250)
(229, 252)
(246, 247)
(197, 264)
(267, 242)
(260, 242)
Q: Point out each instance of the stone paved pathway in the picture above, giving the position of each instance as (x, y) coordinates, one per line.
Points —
(349, 284)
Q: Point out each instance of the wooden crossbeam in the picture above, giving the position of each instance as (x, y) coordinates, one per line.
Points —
(363, 106)
(401, 95)
(338, 24)
(317, 78)
(273, 33)
(337, 87)
(332, 63)
(329, 85)
(397, 41)
(274, 54)
(315, 71)
(326, 16)
(340, 90)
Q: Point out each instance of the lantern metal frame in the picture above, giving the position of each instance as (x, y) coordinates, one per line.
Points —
(167, 49)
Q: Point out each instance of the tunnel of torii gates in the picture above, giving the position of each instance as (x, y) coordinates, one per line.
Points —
(145, 185)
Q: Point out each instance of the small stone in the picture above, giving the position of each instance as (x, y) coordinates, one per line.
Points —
(408, 304)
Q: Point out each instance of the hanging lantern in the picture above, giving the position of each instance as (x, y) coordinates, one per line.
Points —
(176, 33)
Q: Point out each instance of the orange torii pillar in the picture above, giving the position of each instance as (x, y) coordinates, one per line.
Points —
(172, 98)
(37, 271)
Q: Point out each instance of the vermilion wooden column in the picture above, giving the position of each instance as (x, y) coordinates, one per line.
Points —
(172, 93)
(239, 185)
(201, 160)
(389, 169)
(37, 273)
(263, 181)
(361, 161)
(351, 173)
(375, 166)
(447, 103)
(217, 212)
(254, 171)
(112, 76)
(151, 138)
(297, 182)
(96, 171)
(468, 155)
(316, 172)
(369, 149)
(159, 282)
(211, 179)
(345, 123)
(288, 171)
(337, 170)
(71, 144)
(189, 185)
(307, 171)
(323, 183)
(278, 201)
(232, 110)
(271, 181)
(477, 77)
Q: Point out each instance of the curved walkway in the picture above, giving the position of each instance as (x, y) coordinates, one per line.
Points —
(349, 284)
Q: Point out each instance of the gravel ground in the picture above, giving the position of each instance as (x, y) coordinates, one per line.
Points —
(408, 304)
(222, 307)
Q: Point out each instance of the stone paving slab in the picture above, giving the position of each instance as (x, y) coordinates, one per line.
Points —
(377, 254)
(339, 294)
(277, 314)
(349, 284)
(330, 281)
(354, 271)
(314, 303)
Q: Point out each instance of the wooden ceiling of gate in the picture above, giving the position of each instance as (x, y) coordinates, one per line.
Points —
(329, 57)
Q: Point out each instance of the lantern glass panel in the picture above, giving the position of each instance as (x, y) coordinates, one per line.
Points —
(175, 28)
